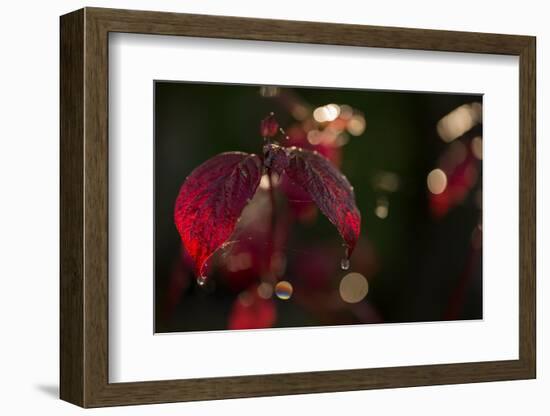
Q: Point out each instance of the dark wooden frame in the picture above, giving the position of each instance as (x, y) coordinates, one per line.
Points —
(84, 212)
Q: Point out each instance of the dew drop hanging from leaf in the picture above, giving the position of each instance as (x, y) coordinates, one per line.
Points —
(344, 264)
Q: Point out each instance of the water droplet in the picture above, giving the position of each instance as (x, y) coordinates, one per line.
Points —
(201, 280)
(283, 290)
(344, 264)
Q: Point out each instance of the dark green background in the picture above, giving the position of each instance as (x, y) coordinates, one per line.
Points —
(420, 258)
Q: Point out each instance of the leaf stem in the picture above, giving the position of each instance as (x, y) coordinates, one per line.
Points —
(271, 233)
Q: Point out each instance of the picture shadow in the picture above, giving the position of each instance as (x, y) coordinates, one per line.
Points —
(51, 390)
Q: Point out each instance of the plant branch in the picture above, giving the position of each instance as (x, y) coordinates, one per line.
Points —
(271, 232)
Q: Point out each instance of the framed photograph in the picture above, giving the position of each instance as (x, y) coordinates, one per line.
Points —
(263, 207)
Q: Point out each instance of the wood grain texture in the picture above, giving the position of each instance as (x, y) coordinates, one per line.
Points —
(527, 208)
(84, 207)
(71, 199)
(96, 216)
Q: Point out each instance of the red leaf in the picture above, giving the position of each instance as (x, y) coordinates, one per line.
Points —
(461, 178)
(250, 311)
(211, 200)
(329, 189)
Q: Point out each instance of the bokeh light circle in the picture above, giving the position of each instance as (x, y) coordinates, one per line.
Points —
(283, 290)
(354, 287)
(437, 181)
